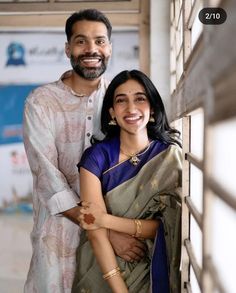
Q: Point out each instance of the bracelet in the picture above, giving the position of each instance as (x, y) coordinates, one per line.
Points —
(138, 226)
(112, 273)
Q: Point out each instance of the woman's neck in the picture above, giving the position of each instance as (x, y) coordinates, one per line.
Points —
(133, 144)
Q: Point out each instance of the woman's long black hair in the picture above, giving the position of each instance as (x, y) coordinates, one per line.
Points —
(160, 129)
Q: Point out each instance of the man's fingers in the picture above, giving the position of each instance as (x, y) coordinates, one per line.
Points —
(137, 251)
(130, 257)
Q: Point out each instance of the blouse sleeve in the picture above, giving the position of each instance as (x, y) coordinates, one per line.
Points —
(93, 161)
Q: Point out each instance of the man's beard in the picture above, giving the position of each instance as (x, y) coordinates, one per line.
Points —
(88, 72)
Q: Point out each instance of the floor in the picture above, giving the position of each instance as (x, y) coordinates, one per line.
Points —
(15, 251)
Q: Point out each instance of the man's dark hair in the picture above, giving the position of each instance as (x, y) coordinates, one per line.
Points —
(90, 15)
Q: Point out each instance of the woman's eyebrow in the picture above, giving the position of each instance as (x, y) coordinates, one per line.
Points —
(120, 95)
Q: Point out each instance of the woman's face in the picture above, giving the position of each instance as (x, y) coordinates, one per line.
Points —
(131, 107)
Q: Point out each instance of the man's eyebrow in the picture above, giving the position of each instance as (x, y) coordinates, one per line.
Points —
(79, 36)
(86, 37)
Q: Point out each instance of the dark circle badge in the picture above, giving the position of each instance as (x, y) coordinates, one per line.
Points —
(212, 15)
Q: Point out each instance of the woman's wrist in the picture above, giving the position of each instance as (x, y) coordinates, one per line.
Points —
(105, 221)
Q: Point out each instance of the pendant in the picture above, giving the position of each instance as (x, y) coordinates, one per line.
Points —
(134, 160)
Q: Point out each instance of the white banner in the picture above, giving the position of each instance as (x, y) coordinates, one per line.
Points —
(32, 57)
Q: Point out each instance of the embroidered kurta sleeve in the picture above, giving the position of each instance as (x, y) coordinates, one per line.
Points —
(50, 184)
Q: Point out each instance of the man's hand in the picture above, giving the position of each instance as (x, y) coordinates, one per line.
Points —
(127, 247)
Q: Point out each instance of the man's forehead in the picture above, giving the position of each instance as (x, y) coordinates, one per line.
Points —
(89, 30)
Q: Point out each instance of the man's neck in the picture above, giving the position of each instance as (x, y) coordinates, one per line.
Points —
(82, 86)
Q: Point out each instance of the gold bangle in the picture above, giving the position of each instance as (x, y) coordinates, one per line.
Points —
(112, 273)
(110, 276)
(138, 226)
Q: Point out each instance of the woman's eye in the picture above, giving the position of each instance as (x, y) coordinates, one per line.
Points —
(119, 101)
(141, 99)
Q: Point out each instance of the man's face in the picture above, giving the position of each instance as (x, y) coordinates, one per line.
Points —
(89, 49)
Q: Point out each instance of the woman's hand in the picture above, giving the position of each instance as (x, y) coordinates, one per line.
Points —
(91, 216)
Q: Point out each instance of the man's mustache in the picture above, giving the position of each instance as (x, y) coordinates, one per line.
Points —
(94, 55)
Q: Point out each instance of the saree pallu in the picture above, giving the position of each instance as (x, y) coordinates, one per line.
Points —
(154, 193)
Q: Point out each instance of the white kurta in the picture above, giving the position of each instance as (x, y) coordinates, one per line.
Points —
(58, 126)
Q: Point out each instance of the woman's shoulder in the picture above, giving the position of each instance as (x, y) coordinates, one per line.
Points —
(99, 157)
(101, 154)
(160, 146)
(103, 147)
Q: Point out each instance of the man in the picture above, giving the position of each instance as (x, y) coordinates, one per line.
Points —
(59, 120)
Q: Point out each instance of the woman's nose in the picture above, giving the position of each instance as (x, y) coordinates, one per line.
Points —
(131, 107)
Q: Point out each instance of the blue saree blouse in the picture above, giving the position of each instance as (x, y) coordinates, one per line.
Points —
(103, 156)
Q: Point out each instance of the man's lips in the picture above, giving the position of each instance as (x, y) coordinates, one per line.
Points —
(91, 60)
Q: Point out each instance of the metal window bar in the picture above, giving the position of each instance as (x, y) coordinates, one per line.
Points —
(222, 193)
(194, 160)
(193, 262)
(185, 211)
(188, 287)
(194, 211)
(214, 275)
(193, 12)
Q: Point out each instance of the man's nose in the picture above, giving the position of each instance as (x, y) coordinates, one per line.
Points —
(91, 47)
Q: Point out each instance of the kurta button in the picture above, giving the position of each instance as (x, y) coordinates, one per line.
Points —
(89, 117)
(88, 134)
(90, 100)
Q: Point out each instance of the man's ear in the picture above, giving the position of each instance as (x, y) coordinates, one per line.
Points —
(110, 48)
(67, 50)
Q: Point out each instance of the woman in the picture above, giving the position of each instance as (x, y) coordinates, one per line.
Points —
(130, 183)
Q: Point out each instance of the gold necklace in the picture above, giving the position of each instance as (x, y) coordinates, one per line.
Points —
(134, 158)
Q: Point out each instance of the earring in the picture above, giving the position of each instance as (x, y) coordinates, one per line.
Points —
(112, 122)
(151, 119)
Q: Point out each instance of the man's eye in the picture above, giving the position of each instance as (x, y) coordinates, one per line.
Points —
(80, 42)
(100, 42)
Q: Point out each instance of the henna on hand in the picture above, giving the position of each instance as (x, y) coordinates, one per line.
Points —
(89, 219)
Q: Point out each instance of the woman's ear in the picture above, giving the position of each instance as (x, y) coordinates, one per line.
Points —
(111, 112)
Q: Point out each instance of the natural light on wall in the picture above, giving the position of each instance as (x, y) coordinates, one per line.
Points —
(224, 158)
(197, 128)
(223, 222)
(193, 282)
(224, 243)
(196, 148)
(196, 188)
(196, 29)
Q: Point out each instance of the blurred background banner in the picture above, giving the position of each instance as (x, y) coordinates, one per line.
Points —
(16, 179)
(16, 185)
(32, 57)
(12, 98)
(28, 59)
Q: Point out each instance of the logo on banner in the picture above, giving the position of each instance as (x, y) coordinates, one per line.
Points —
(15, 54)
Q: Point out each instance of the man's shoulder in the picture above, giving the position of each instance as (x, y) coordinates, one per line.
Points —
(46, 90)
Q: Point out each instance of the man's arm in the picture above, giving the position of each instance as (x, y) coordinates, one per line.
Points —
(51, 185)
